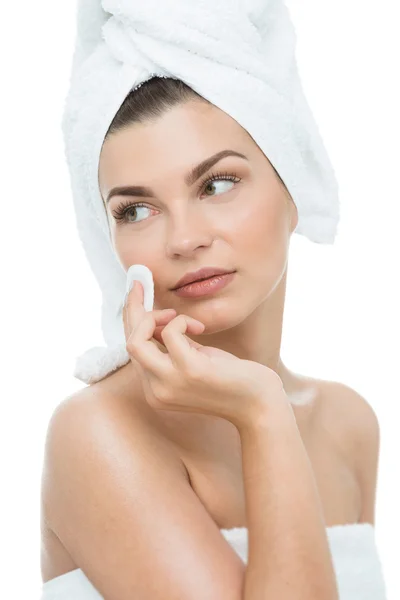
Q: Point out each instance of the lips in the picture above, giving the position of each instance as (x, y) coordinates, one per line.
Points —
(205, 287)
(200, 275)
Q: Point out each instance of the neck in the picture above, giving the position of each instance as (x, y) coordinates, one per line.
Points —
(258, 338)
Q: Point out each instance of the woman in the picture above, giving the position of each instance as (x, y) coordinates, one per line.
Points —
(138, 487)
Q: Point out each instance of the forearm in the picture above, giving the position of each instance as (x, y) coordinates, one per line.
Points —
(289, 556)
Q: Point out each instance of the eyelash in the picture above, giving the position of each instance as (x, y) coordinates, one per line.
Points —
(122, 209)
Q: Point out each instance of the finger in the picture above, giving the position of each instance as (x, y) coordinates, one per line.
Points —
(157, 335)
(127, 315)
(127, 330)
(179, 347)
(133, 307)
(162, 317)
(133, 310)
(141, 347)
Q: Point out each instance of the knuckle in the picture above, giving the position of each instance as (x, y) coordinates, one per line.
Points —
(163, 332)
(183, 318)
(132, 346)
(162, 393)
(178, 319)
(170, 325)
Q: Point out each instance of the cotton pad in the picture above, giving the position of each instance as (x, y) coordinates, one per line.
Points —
(97, 362)
(145, 276)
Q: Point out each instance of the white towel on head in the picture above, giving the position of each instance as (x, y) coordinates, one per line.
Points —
(239, 55)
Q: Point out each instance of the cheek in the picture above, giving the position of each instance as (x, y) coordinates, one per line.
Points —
(261, 243)
(259, 228)
(127, 251)
(133, 247)
(139, 252)
(131, 250)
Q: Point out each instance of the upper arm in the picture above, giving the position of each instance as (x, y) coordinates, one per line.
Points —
(125, 511)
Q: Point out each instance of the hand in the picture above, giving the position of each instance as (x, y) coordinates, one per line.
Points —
(191, 377)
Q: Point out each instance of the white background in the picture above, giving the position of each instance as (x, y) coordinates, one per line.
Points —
(341, 316)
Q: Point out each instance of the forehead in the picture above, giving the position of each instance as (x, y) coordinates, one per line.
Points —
(180, 137)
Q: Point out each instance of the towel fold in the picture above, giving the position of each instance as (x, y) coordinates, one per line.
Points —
(240, 56)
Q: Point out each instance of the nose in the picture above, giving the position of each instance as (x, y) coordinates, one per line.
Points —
(186, 232)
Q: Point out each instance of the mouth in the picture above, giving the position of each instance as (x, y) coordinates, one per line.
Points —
(199, 280)
(205, 286)
(202, 274)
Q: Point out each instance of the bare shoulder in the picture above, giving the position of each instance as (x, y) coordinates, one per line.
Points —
(104, 416)
(348, 415)
(354, 427)
(92, 421)
(111, 481)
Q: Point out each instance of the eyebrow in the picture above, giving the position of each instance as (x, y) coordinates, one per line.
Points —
(190, 178)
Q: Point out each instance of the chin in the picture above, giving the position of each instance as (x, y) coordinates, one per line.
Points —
(218, 318)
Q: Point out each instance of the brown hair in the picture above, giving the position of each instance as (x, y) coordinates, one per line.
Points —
(151, 100)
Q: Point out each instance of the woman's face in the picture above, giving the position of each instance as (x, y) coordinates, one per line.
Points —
(237, 215)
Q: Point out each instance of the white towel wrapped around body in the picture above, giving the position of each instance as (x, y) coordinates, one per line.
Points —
(353, 548)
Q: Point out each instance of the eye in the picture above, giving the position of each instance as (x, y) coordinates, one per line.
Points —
(123, 210)
(209, 183)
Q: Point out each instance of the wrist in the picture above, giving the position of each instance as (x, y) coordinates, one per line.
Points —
(267, 412)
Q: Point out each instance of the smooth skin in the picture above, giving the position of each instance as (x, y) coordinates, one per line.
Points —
(190, 377)
(149, 487)
(202, 379)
